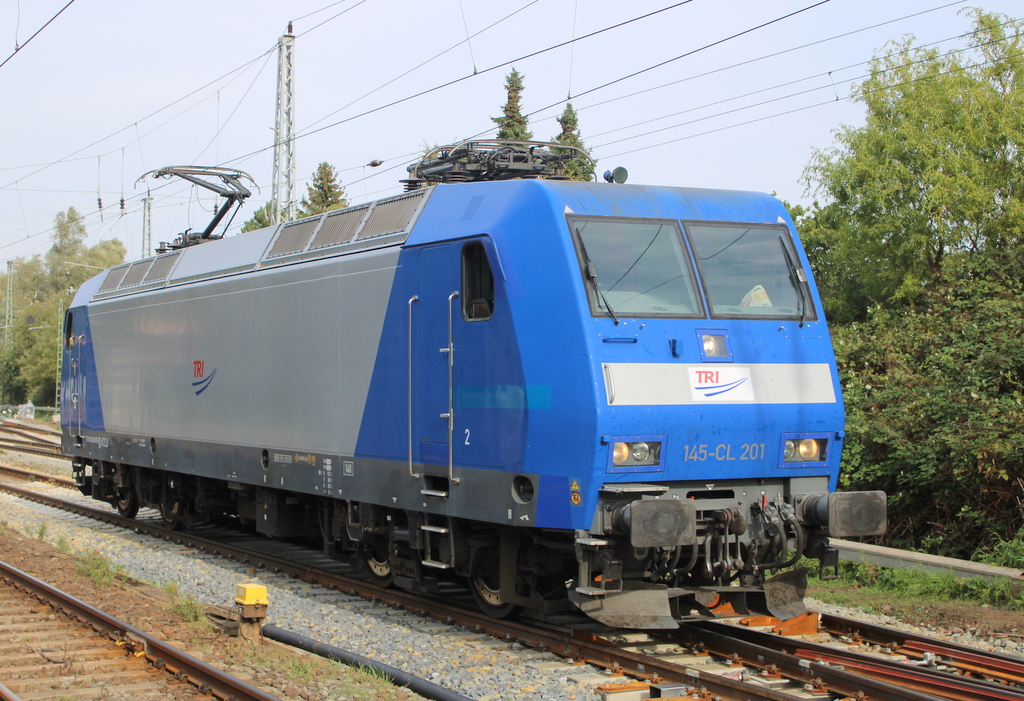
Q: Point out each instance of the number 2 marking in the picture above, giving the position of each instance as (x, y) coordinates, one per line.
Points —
(467, 436)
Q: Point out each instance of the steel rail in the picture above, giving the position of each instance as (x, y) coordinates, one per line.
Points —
(33, 448)
(38, 476)
(568, 643)
(998, 664)
(180, 664)
(9, 424)
(930, 680)
(824, 677)
(35, 438)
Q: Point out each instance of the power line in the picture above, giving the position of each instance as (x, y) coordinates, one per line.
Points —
(472, 75)
(18, 48)
(768, 56)
(830, 101)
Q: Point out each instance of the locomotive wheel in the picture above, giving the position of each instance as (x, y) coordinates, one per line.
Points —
(170, 515)
(127, 502)
(485, 585)
(378, 566)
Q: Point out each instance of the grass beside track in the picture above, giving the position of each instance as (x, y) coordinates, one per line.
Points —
(923, 598)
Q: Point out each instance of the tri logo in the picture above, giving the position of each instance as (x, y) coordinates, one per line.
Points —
(202, 380)
(721, 384)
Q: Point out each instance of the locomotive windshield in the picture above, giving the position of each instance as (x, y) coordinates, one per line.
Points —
(636, 267)
(750, 271)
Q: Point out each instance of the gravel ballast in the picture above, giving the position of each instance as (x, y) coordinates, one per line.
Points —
(474, 665)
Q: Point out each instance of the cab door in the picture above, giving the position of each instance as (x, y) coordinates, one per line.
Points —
(433, 314)
(72, 398)
(470, 397)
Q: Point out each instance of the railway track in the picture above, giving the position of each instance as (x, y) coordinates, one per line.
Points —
(54, 646)
(827, 658)
(25, 438)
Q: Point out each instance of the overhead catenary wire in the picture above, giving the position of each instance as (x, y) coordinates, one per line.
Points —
(374, 174)
(427, 91)
(406, 162)
(829, 101)
(19, 47)
(817, 88)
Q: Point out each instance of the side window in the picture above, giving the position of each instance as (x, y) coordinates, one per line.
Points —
(69, 335)
(477, 283)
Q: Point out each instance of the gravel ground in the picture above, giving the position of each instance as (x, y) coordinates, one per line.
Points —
(474, 665)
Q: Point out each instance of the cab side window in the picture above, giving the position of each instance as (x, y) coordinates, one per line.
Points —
(477, 283)
(69, 327)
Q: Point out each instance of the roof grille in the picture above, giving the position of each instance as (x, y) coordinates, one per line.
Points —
(136, 273)
(113, 279)
(390, 216)
(162, 267)
(339, 227)
(294, 237)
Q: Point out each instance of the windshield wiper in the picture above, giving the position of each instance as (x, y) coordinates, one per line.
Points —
(591, 273)
(797, 278)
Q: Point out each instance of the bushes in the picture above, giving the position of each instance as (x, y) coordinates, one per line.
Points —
(935, 407)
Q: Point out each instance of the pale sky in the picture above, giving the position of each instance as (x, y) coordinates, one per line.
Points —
(111, 89)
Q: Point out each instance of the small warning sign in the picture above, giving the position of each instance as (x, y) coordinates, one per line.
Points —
(576, 498)
(575, 486)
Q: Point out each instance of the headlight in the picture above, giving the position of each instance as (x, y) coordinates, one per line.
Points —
(620, 454)
(809, 450)
(804, 450)
(714, 346)
(636, 453)
(640, 453)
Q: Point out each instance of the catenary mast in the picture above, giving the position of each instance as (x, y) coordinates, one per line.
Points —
(283, 193)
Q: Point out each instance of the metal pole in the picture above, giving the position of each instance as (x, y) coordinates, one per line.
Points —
(9, 312)
(60, 351)
(282, 195)
(147, 226)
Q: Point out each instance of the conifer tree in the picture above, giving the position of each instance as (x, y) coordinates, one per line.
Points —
(575, 169)
(324, 192)
(512, 125)
(260, 219)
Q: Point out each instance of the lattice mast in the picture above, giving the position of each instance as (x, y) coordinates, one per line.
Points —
(283, 194)
(147, 226)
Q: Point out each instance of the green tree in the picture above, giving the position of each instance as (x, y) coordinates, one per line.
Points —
(260, 219)
(41, 286)
(324, 192)
(570, 136)
(512, 124)
(935, 170)
(934, 395)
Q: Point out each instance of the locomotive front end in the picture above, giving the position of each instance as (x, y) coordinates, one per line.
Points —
(720, 415)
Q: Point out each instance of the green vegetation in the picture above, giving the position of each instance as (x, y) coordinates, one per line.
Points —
(99, 569)
(41, 532)
(916, 248)
(934, 174)
(63, 545)
(875, 588)
(43, 286)
(260, 219)
(189, 608)
(305, 669)
(570, 136)
(324, 193)
(513, 124)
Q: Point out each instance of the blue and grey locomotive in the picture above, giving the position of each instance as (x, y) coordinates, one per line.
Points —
(618, 397)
